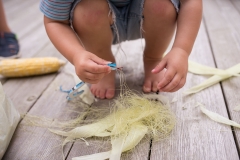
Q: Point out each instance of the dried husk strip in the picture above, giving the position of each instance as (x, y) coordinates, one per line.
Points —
(197, 68)
(218, 118)
(213, 80)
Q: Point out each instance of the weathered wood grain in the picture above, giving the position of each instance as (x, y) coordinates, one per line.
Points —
(23, 25)
(224, 31)
(39, 142)
(236, 4)
(20, 89)
(15, 9)
(24, 92)
(195, 136)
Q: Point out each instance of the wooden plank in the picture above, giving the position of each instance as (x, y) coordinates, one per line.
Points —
(38, 142)
(16, 13)
(133, 70)
(196, 136)
(33, 45)
(24, 92)
(225, 40)
(34, 42)
(37, 39)
(29, 46)
(10, 5)
(13, 10)
(7, 2)
(23, 19)
(22, 25)
(236, 4)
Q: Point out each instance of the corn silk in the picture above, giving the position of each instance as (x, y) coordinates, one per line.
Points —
(133, 116)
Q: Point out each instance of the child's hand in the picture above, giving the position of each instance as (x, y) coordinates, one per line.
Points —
(176, 64)
(90, 68)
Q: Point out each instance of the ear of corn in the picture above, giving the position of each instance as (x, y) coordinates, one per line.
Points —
(29, 66)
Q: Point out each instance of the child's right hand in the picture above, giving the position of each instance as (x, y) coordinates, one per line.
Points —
(90, 68)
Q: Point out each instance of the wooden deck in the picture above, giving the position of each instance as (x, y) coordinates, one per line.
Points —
(195, 136)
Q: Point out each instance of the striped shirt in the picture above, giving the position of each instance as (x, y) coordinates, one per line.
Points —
(60, 9)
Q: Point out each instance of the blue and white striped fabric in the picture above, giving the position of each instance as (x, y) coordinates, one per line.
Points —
(56, 9)
(60, 9)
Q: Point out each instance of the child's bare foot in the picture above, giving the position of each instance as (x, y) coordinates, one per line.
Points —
(105, 88)
(151, 80)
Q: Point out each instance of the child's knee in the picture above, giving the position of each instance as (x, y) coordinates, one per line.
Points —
(160, 8)
(89, 14)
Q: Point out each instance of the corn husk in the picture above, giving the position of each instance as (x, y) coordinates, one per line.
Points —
(120, 144)
(237, 108)
(218, 118)
(213, 80)
(133, 117)
(197, 68)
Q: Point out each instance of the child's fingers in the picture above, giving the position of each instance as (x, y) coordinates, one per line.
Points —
(98, 60)
(160, 66)
(168, 76)
(173, 84)
(94, 77)
(97, 69)
(180, 85)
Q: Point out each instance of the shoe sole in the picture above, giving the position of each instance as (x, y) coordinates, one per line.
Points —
(11, 57)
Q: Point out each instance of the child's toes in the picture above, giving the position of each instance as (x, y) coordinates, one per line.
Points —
(102, 93)
(93, 91)
(147, 86)
(98, 93)
(110, 93)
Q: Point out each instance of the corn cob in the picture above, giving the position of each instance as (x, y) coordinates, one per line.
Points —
(29, 66)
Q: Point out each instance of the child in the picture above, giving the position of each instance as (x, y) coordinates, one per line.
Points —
(9, 47)
(99, 23)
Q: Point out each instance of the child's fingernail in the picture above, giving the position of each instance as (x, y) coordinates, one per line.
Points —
(108, 62)
(153, 70)
(147, 89)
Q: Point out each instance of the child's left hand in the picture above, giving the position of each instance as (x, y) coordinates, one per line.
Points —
(176, 64)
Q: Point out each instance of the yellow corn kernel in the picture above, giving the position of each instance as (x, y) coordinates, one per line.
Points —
(29, 66)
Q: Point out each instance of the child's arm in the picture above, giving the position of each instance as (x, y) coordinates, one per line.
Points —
(88, 66)
(176, 61)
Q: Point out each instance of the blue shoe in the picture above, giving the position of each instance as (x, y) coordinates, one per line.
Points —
(9, 46)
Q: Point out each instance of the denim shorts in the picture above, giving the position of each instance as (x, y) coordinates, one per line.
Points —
(127, 20)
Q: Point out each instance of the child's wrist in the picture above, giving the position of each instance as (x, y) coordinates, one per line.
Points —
(77, 56)
(181, 50)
